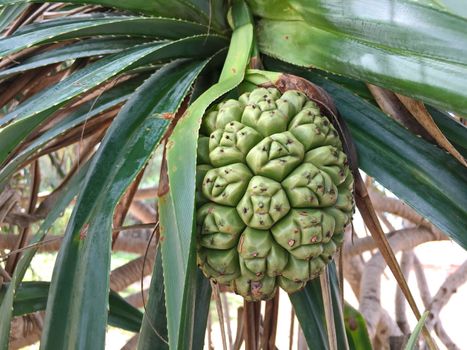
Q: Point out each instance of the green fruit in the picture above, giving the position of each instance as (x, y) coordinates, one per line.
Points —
(274, 192)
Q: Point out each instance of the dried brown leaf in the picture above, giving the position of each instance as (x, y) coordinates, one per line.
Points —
(420, 113)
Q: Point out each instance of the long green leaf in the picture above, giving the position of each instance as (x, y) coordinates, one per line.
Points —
(204, 11)
(309, 308)
(424, 176)
(15, 126)
(433, 80)
(81, 27)
(338, 309)
(177, 206)
(69, 191)
(32, 297)
(153, 333)
(122, 314)
(9, 13)
(80, 282)
(87, 111)
(453, 130)
(399, 25)
(85, 48)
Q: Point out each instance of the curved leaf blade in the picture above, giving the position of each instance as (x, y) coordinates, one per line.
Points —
(69, 191)
(80, 282)
(80, 27)
(437, 82)
(15, 126)
(422, 175)
(86, 112)
(177, 206)
(155, 315)
(32, 297)
(412, 342)
(399, 25)
(202, 11)
(85, 48)
(309, 308)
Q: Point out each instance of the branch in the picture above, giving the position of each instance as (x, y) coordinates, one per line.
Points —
(132, 241)
(370, 285)
(441, 298)
(353, 270)
(426, 298)
(400, 303)
(142, 212)
(394, 206)
(136, 299)
(132, 343)
(25, 330)
(127, 274)
(409, 236)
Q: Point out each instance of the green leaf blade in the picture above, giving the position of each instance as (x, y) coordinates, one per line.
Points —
(69, 191)
(78, 292)
(425, 177)
(32, 297)
(399, 25)
(15, 126)
(81, 49)
(437, 82)
(87, 26)
(177, 206)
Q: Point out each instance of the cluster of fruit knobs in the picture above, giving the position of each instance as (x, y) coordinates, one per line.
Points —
(274, 192)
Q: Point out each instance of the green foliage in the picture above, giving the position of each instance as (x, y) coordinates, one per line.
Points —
(414, 48)
(413, 340)
(33, 296)
(407, 165)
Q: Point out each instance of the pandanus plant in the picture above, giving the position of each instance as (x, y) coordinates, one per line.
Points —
(265, 111)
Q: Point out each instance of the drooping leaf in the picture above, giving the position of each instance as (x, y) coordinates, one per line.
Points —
(177, 206)
(80, 282)
(122, 314)
(203, 11)
(87, 26)
(432, 80)
(9, 13)
(16, 125)
(69, 191)
(85, 48)
(422, 175)
(309, 308)
(153, 333)
(32, 297)
(86, 112)
(454, 131)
